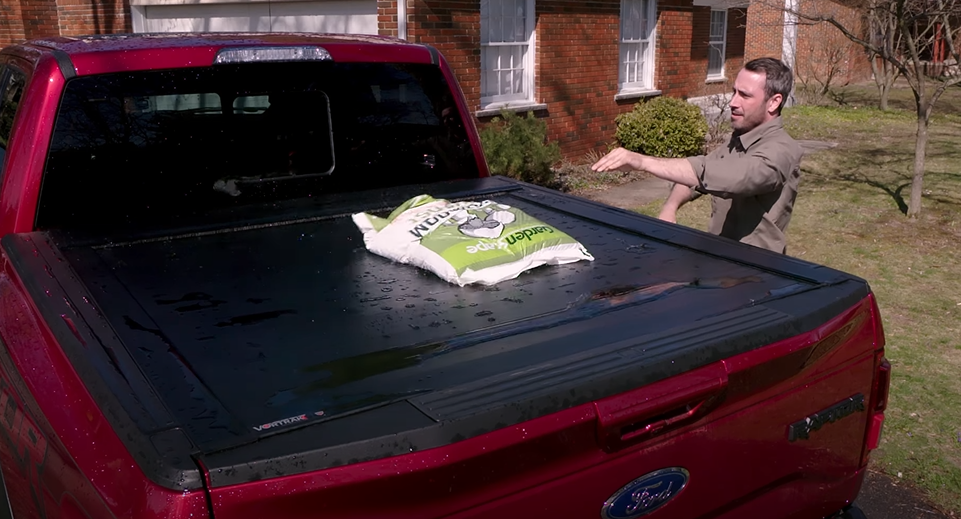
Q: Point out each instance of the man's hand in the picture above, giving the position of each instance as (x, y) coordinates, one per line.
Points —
(668, 214)
(620, 160)
(673, 170)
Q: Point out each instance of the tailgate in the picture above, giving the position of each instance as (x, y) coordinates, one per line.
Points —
(712, 442)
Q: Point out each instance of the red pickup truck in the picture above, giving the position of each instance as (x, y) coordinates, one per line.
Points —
(191, 326)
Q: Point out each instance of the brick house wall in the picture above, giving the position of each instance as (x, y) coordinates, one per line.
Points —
(577, 50)
(764, 31)
(453, 28)
(577, 59)
(683, 61)
(11, 23)
(77, 17)
(39, 18)
(29, 19)
(821, 49)
(387, 18)
(577, 71)
(818, 47)
(736, 42)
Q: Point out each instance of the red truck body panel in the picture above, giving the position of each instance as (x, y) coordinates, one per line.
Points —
(31, 131)
(62, 457)
(107, 54)
(521, 470)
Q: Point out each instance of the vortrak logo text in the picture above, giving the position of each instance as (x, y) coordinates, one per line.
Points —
(280, 423)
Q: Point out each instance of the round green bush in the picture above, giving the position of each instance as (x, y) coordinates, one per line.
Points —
(517, 147)
(663, 127)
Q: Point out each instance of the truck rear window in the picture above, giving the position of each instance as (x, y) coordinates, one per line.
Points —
(141, 148)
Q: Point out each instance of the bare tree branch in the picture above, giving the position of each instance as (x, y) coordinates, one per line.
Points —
(912, 38)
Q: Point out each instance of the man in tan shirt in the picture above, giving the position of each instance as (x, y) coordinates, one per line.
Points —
(753, 180)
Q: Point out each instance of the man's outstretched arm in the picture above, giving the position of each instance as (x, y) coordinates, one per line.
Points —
(678, 171)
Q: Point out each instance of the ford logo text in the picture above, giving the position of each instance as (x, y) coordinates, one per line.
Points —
(645, 494)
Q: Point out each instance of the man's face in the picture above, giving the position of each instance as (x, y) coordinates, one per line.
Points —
(750, 108)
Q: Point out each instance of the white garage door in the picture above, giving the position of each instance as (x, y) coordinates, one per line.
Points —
(329, 16)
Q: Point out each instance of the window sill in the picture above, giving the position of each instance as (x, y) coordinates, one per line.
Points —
(637, 94)
(715, 79)
(521, 108)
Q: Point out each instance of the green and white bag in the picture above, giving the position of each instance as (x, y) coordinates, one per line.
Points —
(467, 242)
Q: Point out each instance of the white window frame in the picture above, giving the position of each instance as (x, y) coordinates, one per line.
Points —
(526, 96)
(717, 42)
(644, 82)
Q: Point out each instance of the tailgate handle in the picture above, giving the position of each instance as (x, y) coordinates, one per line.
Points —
(637, 415)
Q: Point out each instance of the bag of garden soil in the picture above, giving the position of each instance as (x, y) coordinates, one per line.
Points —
(482, 242)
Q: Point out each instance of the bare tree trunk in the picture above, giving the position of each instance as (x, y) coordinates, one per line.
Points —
(884, 90)
(884, 78)
(917, 181)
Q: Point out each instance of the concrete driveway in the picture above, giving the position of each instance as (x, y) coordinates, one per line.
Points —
(882, 497)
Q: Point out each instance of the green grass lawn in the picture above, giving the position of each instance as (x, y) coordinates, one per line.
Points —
(849, 215)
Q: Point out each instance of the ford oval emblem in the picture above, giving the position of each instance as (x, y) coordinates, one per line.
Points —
(645, 494)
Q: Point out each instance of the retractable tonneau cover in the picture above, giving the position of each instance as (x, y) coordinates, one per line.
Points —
(284, 346)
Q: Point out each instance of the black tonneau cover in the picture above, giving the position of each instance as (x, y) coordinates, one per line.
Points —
(285, 346)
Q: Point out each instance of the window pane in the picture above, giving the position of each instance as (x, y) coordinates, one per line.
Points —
(518, 85)
(641, 61)
(623, 63)
(201, 103)
(631, 57)
(715, 53)
(139, 134)
(493, 65)
(718, 22)
(9, 102)
(489, 88)
(503, 73)
(250, 104)
(642, 19)
(632, 20)
(485, 21)
(492, 83)
(503, 21)
(715, 60)
(635, 22)
(636, 29)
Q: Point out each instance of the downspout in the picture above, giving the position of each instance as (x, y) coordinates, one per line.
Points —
(789, 42)
(402, 19)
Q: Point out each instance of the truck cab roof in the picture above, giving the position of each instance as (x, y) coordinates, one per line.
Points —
(101, 54)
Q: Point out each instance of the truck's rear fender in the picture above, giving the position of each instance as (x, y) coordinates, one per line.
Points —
(879, 388)
(758, 375)
(55, 442)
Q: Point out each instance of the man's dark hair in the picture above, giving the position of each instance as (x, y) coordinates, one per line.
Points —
(779, 80)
